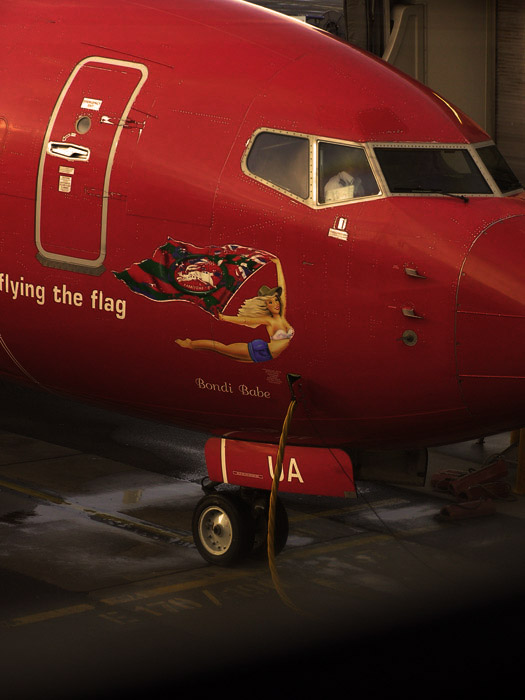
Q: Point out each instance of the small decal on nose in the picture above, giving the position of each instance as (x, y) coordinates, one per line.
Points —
(339, 229)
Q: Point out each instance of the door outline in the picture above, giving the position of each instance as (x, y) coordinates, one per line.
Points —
(70, 262)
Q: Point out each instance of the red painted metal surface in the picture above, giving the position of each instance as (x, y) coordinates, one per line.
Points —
(307, 470)
(199, 78)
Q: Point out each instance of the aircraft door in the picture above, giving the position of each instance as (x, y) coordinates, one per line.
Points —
(79, 148)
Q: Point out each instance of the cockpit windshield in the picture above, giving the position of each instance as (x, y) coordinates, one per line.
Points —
(324, 172)
(430, 170)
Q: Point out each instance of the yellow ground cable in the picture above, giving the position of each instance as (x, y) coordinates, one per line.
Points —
(272, 508)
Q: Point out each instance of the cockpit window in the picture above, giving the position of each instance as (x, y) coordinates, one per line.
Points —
(344, 173)
(431, 170)
(318, 171)
(499, 169)
(282, 160)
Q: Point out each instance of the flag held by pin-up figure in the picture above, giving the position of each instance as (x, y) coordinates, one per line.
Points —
(207, 277)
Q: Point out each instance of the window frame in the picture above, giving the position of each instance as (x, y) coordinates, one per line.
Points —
(312, 201)
(373, 169)
(472, 149)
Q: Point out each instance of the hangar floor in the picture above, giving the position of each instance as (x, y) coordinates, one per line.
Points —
(103, 590)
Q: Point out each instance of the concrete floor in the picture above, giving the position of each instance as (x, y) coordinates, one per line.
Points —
(103, 590)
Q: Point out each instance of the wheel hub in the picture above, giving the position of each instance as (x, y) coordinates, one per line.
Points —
(215, 530)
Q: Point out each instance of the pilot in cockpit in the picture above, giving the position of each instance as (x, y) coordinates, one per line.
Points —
(342, 186)
(344, 173)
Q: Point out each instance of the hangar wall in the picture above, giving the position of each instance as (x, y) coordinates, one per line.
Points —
(510, 93)
(461, 54)
(450, 45)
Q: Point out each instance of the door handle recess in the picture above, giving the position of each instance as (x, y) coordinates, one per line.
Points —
(68, 151)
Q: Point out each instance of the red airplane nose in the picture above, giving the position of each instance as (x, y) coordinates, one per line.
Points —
(490, 325)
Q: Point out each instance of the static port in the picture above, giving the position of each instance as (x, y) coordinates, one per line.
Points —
(409, 338)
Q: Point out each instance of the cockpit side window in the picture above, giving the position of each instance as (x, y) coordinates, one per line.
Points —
(281, 160)
(344, 173)
(499, 169)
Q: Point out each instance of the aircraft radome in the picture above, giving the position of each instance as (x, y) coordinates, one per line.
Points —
(202, 200)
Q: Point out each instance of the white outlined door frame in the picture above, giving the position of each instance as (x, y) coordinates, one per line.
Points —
(71, 262)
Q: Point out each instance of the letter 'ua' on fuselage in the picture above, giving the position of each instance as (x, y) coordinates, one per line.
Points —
(214, 196)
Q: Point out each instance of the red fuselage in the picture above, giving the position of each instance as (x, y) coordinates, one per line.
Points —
(125, 125)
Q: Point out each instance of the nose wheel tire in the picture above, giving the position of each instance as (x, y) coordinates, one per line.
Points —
(223, 529)
(260, 544)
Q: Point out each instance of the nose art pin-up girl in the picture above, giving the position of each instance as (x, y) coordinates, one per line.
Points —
(267, 309)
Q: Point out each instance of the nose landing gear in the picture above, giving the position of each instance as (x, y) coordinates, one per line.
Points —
(230, 526)
(222, 528)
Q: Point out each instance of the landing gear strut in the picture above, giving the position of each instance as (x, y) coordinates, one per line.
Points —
(228, 526)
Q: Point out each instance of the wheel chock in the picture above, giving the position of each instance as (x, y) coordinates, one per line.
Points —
(468, 509)
(441, 480)
(490, 474)
(493, 489)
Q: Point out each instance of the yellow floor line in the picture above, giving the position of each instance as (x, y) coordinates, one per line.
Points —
(50, 615)
(153, 592)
